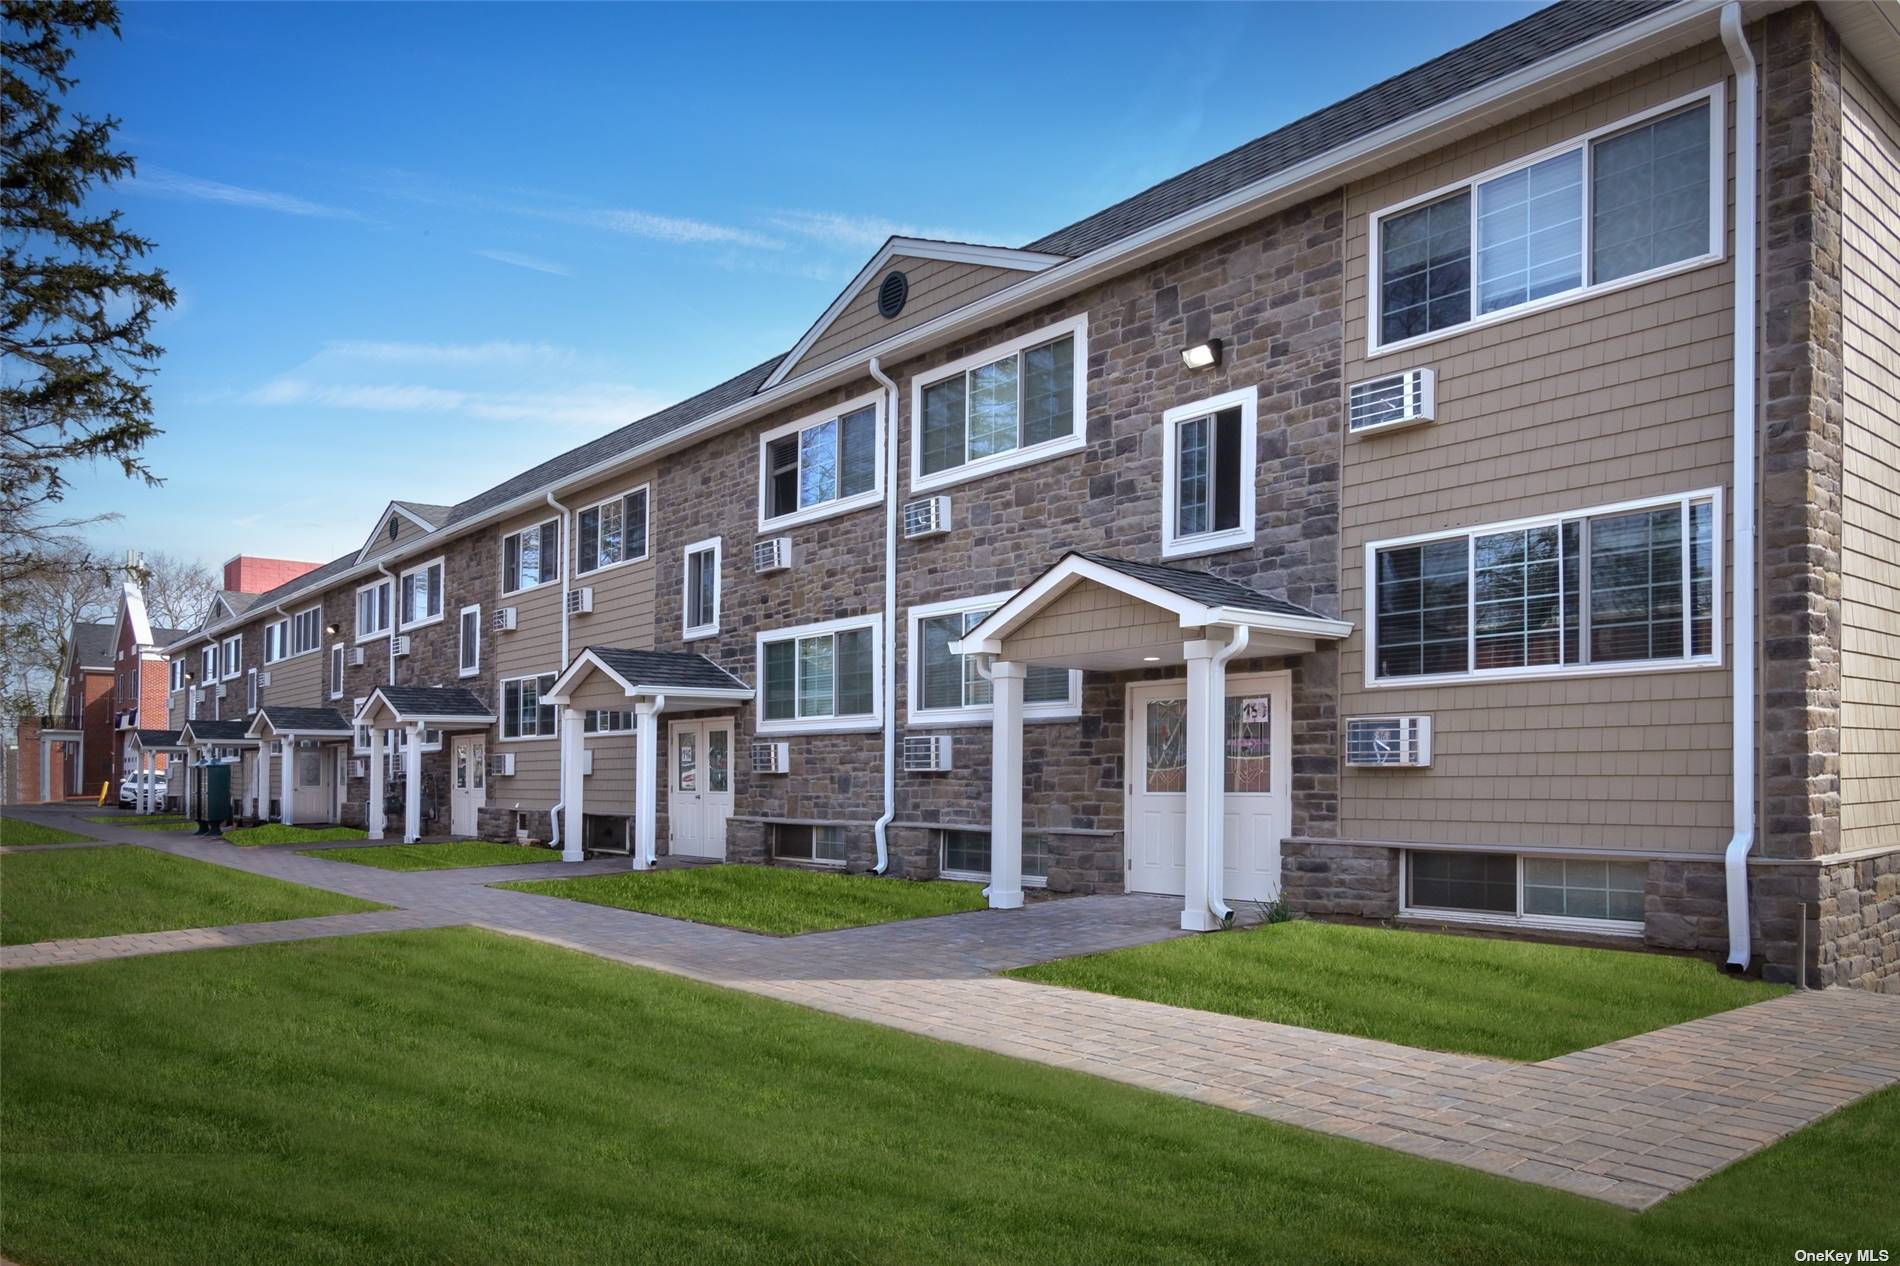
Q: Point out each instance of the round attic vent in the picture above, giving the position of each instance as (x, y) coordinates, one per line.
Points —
(891, 294)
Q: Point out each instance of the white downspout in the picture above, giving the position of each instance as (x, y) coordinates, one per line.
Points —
(1742, 477)
(883, 823)
(1217, 815)
(554, 814)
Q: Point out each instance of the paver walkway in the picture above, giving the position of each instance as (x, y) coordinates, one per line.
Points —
(1629, 1122)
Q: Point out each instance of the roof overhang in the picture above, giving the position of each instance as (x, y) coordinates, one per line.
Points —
(379, 705)
(264, 728)
(587, 663)
(1269, 632)
(188, 737)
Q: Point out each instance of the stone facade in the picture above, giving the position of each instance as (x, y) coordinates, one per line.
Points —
(1334, 879)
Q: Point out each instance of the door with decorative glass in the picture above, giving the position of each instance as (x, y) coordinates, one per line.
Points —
(468, 784)
(699, 787)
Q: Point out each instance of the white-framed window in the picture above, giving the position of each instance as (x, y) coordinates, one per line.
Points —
(395, 743)
(336, 670)
(612, 532)
(469, 653)
(699, 604)
(1006, 406)
(826, 464)
(362, 731)
(1629, 587)
(191, 705)
(178, 674)
(1597, 894)
(373, 608)
(276, 641)
(607, 720)
(965, 854)
(231, 656)
(523, 714)
(422, 594)
(1614, 207)
(817, 845)
(306, 631)
(946, 689)
(531, 556)
(821, 678)
(250, 690)
(208, 664)
(1208, 457)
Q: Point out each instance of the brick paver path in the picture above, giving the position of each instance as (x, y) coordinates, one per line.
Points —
(1629, 1122)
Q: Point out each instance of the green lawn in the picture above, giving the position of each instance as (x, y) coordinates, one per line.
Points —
(1515, 999)
(108, 891)
(774, 899)
(460, 1096)
(149, 822)
(451, 856)
(277, 833)
(19, 833)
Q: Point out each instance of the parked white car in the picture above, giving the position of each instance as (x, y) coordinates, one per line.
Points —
(130, 785)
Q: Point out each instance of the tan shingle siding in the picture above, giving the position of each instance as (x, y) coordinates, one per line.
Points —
(1090, 618)
(1616, 397)
(936, 286)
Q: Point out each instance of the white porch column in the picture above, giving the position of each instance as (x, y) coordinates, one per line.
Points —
(151, 778)
(142, 802)
(260, 782)
(1006, 787)
(412, 787)
(1204, 782)
(646, 782)
(374, 817)
(191, 764)
(286, 780)
(573, 781)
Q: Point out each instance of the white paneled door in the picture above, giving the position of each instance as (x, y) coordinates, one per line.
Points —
(468, 783)
(1257, 806)
(699, 787)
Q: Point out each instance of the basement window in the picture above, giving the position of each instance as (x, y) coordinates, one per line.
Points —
(800, 842)
(1597, 894)
(964, 854)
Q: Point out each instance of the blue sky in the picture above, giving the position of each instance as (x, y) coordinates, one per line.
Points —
(420, 247)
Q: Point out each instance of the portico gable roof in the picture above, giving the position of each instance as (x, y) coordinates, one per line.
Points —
(218, 733)
(675, 675)
(437, 707)
(300, 723)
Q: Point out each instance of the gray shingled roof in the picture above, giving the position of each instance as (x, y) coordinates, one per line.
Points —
(420, 703)
(238, 602)
(93, 646)
(1508, 49)
(162, 636)
(433, 515)
(1199, 586)
(667, 670)
(158, 738)
(306, 720)
(203, 731)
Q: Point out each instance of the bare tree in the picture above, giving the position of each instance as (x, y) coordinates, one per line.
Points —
(36, 625)
(178, 591)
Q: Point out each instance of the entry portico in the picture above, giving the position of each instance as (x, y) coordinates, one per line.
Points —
(297, 728)
(210, 742)
(654, 681)
(1094, 612)
(145, 747)
(413, 711)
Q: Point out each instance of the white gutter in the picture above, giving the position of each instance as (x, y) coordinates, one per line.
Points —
(882, 825)
(1394, 142)
(1217, 814)
(554, 814)
(395, 616)
(1742, 476)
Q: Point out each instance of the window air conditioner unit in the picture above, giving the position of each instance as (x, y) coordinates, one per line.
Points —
(581, 601)
(359, 768)
(1389, 742)
(771, 758)
(1391, 401)
(504, 620)
(263, 678)
(926, 516)
(402, 644)
(501, 765)
(356, 657)
(220, 690)
(927, 754)
(772, 555)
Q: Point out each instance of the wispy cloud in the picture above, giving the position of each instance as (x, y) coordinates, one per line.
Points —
(172, 184)
(515, 260)
(586, 407)
(868, 232)
(493, 354)
(660, 228)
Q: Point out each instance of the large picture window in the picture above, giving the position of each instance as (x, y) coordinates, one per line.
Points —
(612, 531)
(821, 466)
(820, 677)
(531, 556)
(1623, 586)
(523, 714)
(946, 688)
(1004, 407)
(1622, 202)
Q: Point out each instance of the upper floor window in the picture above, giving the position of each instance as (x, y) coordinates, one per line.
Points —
(422, 594)
(469, 657)
(1207, 478)
(1008, 406)
(823, 465)
(1620, 203)
(946, 687)
(178, 673)
(336, 671)
(1632, 586)
(250, 691)
(231, 656)
(523, 715)
(208, 664)
(306, 631)
(701, 598)
(820, 676)
(276, 641)
(531, 556)
(372, 610)
(614, 531)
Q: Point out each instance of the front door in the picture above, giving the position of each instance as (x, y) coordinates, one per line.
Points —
(1258, 768)
(699, 787)
(310, 782)
(468, 790)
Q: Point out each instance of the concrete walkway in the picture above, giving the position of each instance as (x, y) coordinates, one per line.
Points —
(1629, 1122)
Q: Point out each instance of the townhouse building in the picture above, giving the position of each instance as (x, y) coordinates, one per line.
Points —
(1473, 503)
